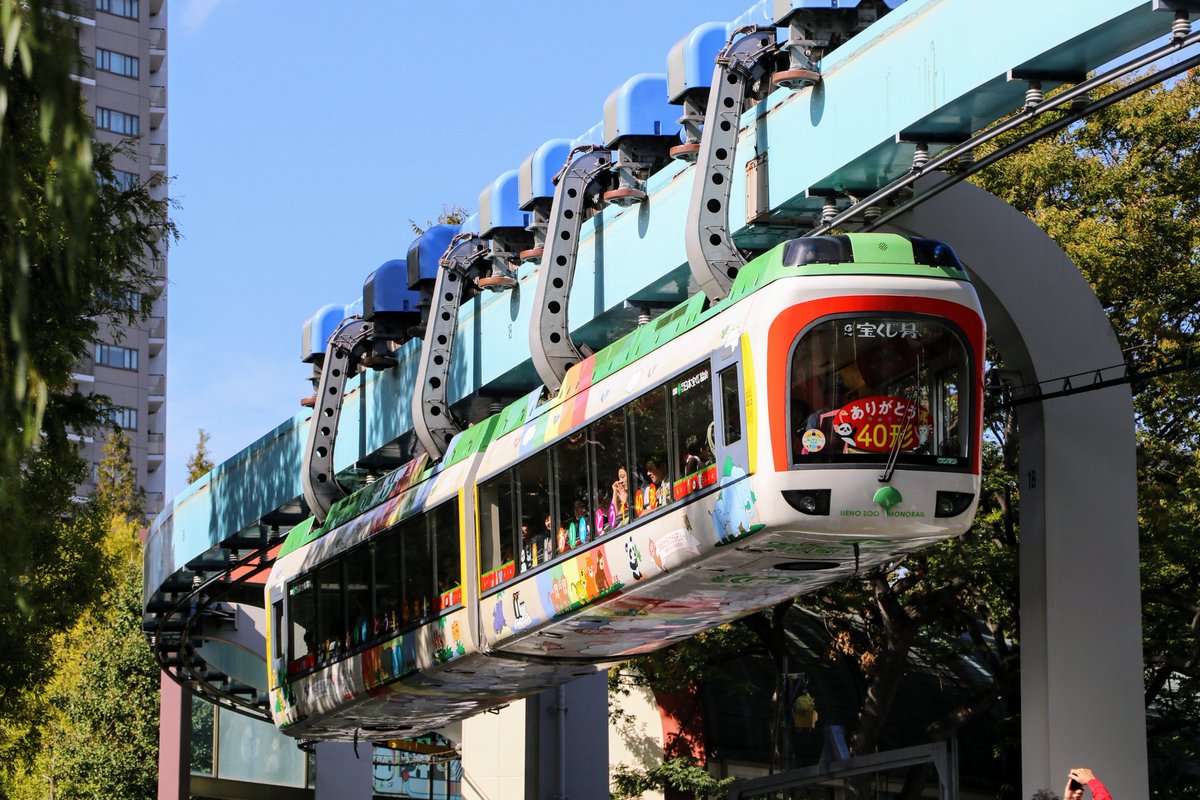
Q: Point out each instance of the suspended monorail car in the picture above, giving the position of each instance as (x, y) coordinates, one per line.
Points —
(822, 419)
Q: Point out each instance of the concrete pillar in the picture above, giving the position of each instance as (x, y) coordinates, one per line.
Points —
(174, 740)
(1081, 634)
(341, 775)
(569, 725)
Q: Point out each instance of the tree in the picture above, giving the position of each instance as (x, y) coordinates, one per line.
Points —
(118, 491)
(200, 463)
(74, 242)
(90, 730)
(450, 215)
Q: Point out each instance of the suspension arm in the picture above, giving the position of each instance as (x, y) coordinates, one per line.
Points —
(346, 348)
(550, 342)
(712, 256)
(435, 426)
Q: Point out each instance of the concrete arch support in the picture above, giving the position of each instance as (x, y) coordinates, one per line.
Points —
(1081, 634)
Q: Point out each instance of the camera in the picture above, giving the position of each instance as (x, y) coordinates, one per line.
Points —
(1075, 785)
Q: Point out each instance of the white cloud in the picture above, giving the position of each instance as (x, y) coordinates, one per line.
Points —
(196, 13)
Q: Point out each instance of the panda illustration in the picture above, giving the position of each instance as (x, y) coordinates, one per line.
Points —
(845, 431)
(635, 559)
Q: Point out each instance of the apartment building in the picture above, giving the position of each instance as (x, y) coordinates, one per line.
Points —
(124, 82)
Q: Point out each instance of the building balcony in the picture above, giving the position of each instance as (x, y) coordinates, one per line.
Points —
(158, 48)
(156, 7)
(156, 450)
(158, 105)
(158, 334)
(85, 71)
(158, 158)
(157, 392)
(85, 371)
(80, 11)
(158, 267)
(154, 502)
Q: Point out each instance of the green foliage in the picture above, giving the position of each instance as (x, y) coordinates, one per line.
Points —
(681, 774)
(200, 462)
(689, 663)
(66, 569)
(108, 740)
(118, 491)
(73, 243)
(450, 215)
(89, 723)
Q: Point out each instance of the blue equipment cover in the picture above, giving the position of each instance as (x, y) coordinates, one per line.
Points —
(639, 107)
(535, 179)
(386, 290)
(424, 252)
(593, 135)
(691, 60)
(499, 206)
(470, 224)
(317, 330)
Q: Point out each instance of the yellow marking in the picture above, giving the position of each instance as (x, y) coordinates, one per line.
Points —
(271, 654)
(462, 539)
(751, 409)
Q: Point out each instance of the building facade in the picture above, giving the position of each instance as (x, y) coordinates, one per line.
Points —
(124, 83)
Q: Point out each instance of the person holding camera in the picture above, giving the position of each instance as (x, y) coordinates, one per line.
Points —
(1081, 777)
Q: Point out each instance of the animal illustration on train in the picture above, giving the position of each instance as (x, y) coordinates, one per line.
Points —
(820, 419)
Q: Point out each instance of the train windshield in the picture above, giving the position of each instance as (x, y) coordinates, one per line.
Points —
(866, 387)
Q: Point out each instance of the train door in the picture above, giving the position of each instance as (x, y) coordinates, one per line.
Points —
(728, 436)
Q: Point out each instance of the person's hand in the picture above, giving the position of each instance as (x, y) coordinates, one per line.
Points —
(1081, 774)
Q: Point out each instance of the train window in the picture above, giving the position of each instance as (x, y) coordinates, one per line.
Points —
(692, 418)
(331, 617)
(574, 492)
(648, 421)
(865, 387)
(358, 595)
(387, 584)
(416, 604)
(951, 424)
(444, 520)
(277, 627)
(533, 482)
(731, 405)
(302, 611)
(496, 531)
(610, 455)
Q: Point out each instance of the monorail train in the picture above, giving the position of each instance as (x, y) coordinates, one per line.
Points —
(822, 419)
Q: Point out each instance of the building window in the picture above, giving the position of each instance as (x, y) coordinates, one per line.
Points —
(117, 121)
(116, 63)
(123, 417)
(124, 180)
(110, 355)
(120, 8)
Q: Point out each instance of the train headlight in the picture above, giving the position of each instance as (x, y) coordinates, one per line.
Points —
(951, 504)
(814, 502)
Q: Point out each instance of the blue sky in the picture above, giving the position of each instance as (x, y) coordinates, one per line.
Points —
(304, 136)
